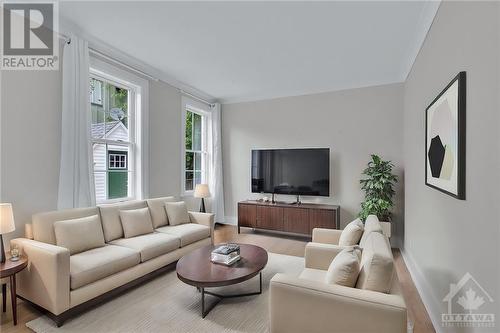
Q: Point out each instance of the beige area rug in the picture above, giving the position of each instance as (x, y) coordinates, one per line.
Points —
(166, 304)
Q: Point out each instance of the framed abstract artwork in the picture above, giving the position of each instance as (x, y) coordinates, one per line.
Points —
(445, 140)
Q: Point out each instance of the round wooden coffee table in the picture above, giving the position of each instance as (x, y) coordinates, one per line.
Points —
(197, 270)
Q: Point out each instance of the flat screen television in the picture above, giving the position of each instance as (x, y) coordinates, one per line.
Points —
(291, 171)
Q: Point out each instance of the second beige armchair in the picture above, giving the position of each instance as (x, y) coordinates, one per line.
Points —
(309, 304)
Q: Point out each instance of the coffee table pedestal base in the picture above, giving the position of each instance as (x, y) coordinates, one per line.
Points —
(206, 309)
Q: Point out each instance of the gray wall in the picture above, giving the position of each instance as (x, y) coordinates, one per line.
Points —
(30, 142)
(352, 123)
(165, 103)
(165, 139)
(446, 237)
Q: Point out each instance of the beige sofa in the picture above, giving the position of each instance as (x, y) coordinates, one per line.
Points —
(65, 284)
(308, 304)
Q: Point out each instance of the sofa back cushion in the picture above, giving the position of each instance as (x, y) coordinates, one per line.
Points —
(371, 225)
(377, 264)
(110, 217)
(157, 210)
(344, 268)
(352, 233)
(43, 223)
(79, 235)
(177, 213)
(136, 222)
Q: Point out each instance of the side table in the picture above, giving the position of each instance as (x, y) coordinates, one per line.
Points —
(10, 269)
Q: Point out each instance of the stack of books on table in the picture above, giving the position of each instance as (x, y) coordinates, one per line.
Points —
(226, 254)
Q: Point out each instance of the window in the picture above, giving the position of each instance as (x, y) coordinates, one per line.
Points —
(117, 160)
(119, 132)
(112, 140)
(195, 156)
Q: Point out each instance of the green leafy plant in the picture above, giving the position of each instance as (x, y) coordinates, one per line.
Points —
(378, 185)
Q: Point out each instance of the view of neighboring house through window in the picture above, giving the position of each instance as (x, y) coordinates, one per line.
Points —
(112, 139)
(195, 149)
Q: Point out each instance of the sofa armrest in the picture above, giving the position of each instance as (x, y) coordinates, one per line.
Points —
(298, 305)
(326, 236)
(46, 280)
(205, 219)
(320, 256)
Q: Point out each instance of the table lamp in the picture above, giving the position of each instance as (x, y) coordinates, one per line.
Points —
(6, 225)
(202, 191)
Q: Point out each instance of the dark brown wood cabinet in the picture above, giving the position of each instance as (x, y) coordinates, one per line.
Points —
(321, 218)
(247, 216)
(269, 217)
(292, 218)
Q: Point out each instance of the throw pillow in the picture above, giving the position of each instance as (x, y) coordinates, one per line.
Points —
(352, 233)
(79, 235)
(344, 268)
(177, 213)
(136, 222)
(377, 264)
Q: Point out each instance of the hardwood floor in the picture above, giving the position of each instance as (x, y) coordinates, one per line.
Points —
(277, 244)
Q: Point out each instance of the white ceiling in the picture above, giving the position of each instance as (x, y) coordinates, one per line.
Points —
(241, 51)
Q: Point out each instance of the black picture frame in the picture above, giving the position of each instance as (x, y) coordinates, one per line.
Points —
(461, 128)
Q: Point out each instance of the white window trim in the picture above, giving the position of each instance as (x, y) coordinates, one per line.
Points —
(139, 162)
(203, 110)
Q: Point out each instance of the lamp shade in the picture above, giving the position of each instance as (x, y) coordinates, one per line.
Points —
(6, 218)
(201, 191)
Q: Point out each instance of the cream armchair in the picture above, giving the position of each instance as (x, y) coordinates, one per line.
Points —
(324, 247)
(300, 305)
(308, 304)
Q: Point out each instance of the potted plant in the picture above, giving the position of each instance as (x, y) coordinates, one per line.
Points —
(378, 185)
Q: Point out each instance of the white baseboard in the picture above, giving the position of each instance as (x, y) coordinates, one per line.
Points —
(230, 220)
(431, 304)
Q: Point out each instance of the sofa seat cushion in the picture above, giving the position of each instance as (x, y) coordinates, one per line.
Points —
(312, 274)
(187, 232)
(150, 245)
(93, 265)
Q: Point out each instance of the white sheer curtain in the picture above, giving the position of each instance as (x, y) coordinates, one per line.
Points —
(216, 184)
(76, 180)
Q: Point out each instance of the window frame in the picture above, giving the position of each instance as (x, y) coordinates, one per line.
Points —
(203, 110)
(138, 111)
(120, 160)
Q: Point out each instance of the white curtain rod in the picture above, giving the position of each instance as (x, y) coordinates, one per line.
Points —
(196, 97)
(105, 56)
